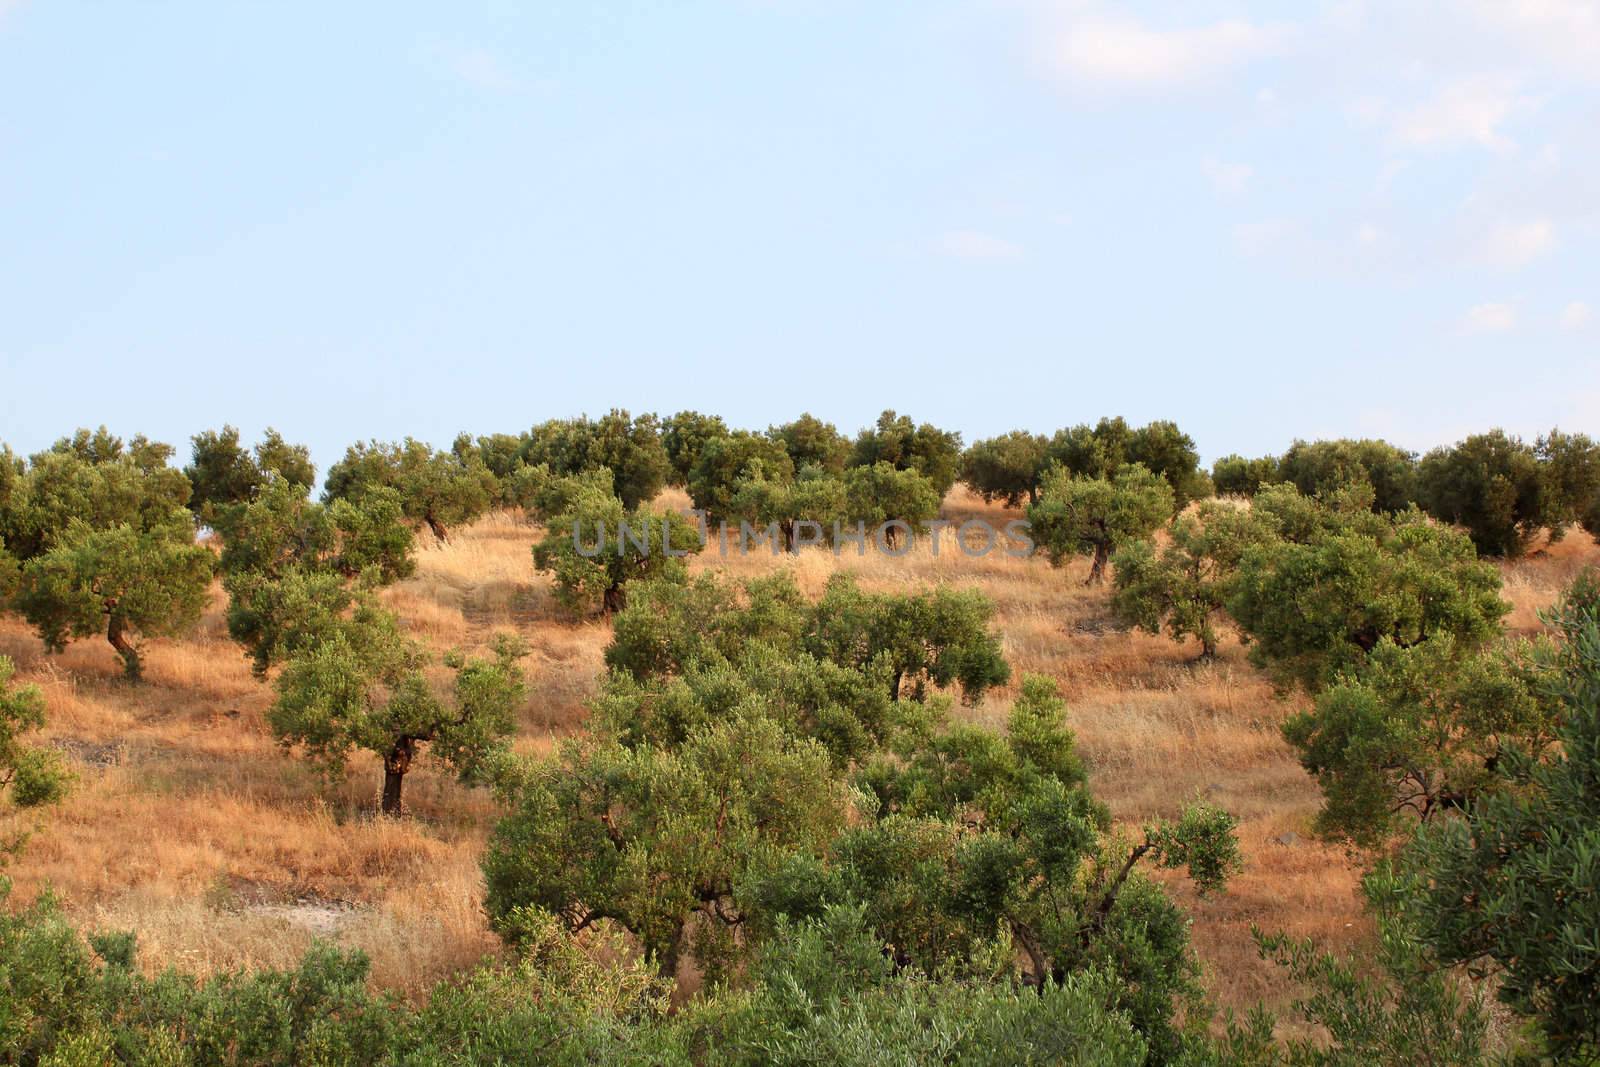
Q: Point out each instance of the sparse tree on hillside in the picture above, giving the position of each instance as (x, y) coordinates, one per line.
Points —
(940, 637)
(1319, 468)
(881, 494)
(1233, 475)
(437, 489)
(1096, 516)
(292, 568)
(896, 440)
(811, 442)
(1508, 889)
(813, 497)
(363, 687)
(222, 473)
(103, 543)
(629, 449)
(1184, 586)
(1416, 732)
(1006, 468)
(596, 547)
(1569, 473)
(684, 436)
(30, 776)
(1490, 485)
(1160, 447)
(122, 582)
(1315, 607)
(726, 462)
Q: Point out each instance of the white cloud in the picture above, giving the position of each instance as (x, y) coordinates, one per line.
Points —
(1564, 33)
(1513, 245)
(1228, 178)
(1489, 318)
(1118, 52)
(971, 244)
(1575, 316)
(1465, 112)
(479, 68)
(1259, 238)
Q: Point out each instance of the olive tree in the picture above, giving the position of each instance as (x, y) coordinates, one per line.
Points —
(1316, 605)
(363, 687)
(1318, 468)
(814, 497)
(122, 582)
(1006, 468)
(896, 440)
(1569, 481)
(728, 461)
(1488, 484)
(684, 436)
(811, 442)
(1234, 475)
(630, 449)
(1095, 516)
(1413, 733)
(596, 547)
(293, 567)
(436, 489)
(30, 776)
(937, 637)
(222, 473)
(1163, 449)
(1509, 888)
(1183, 587)
(883, 496)
(103, 543)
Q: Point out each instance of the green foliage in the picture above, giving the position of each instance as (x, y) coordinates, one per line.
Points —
(91, 480)
(881, 494)
(1398, 1007)
(726, 462)
(595, 548)
(1234, 475)
(1184, 587)
(1102, 450)
(1340, 580)
(292, 567)
(119, 582)
(436, 489)
(656, 838)
(1415, 732)
(1489, 484)
(629, 449)
(684, 436)
(896, 440)
(1510, 886)
(1006, 468)
(938, 637)
(1095, 516)
(1569, 481)
(811, 442)
(804, 510)
(223, 474)
(362, 686)
(30, 777)
(1321, 468)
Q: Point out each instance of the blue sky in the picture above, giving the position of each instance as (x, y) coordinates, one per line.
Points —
(352, 220)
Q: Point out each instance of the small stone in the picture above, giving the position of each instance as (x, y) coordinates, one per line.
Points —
(1287, 839)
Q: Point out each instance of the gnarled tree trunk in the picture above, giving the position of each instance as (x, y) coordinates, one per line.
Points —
(395, 766)
(117, 634)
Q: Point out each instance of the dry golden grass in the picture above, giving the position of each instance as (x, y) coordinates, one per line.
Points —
(189, 825)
